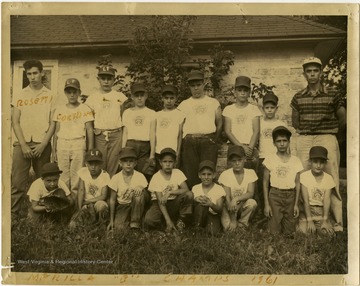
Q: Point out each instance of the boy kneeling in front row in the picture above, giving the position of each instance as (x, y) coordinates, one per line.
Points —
(44, 187)
(171, 198)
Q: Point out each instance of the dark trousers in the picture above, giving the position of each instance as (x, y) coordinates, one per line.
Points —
(204, 218)
(20, 173)
(195, 149)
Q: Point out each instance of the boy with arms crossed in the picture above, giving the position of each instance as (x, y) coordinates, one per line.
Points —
(171, 198)
(316, 188)
(127, 193)
(74, 123)
(281, 170)
(239, 184)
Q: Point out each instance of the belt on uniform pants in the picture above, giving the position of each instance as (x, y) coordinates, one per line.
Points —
(199, 135)
(282, 190)
(106, 132)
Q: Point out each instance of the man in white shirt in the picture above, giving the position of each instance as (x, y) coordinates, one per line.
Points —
(33, 128)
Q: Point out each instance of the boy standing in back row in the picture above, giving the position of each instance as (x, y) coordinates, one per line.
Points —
(107, 108)
(201, 129)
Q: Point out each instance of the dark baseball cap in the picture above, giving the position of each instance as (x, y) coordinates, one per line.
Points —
(281, 130)
(50, 169)
(236, 150)
(207, 164)
(106, 70)
(93, 155)
(167, 151)
(72, 82)
(168, 89)
(270, 97)
(195, 75)
(136, 87)
(127, 152)
(243, 81)
(318, 152)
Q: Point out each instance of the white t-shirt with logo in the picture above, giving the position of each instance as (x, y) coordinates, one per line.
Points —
(93, 187)
(35, 107)
(137, 122)
(228, 179)
(199, 115)
(38, 190)
(282, 175)
(167, 129)
(266, 145)
(106, 108)
(316, 190)
(158, 183)
(241, 121)
(125, 191)
(215, 193)
(72, 121)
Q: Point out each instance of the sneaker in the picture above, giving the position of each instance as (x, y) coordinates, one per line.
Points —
(180, 225)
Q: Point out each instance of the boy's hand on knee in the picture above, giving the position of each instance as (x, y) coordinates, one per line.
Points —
(137, 191)
(311, 227)
(233, 225)
(267, 211)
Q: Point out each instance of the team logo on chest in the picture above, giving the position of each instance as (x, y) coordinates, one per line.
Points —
(200, 109)
(165, 122)
(267, 133)
(282, 171)
(241, 119)
(139, 121)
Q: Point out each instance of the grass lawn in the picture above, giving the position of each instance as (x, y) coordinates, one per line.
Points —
(55, 249)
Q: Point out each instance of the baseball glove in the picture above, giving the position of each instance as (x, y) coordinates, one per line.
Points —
(56, 201)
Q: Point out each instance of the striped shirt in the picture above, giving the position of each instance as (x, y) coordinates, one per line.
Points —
(317, 113)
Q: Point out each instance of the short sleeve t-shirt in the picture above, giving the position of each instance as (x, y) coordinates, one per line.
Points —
(72, 121)
(316, 190)
(35, 107)
(283, 174)
(38, 190)
(214, 194)
(228, 179)
(158, 183)
(106, 108)
(137, 122)
(93, 187)
(199, 115)
(266, 145)
(125, 191)
(167, 129)
(241, 121)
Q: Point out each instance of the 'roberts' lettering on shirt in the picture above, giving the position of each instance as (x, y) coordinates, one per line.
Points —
(74, 116)
(34, 101)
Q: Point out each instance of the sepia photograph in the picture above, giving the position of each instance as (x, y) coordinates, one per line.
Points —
(163, 143)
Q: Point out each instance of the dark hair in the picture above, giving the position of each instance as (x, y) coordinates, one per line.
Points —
(33, 63)
(281, 133)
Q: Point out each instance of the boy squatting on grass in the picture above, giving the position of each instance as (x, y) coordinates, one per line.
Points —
(316, 188)
(42, 187)
(74, 123)
(93, 190)
(239, 184)
(171, 198)
(127, 193)
(169, 124)
(208, 199)
(282, 171)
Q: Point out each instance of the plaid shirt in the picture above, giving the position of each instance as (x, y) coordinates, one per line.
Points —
(317, 114)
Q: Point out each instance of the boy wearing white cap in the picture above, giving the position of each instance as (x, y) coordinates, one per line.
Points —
(74, 124)
(318, 115)
(107, 106)
(316, 188)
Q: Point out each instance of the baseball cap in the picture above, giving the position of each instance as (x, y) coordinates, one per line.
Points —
(127, 152)
(195, 75)
(280, 130)
(72, 82)
(136, 87)
(106, 70)
(236, 150)
(270, 97)
(167, 151)
(312, 60)
(168, 88)
(50, 169)
(207, 164)
(318, 152)
(243, 81)
(93, 155)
